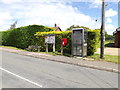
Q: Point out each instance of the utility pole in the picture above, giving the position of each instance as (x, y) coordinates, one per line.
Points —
(102, 30)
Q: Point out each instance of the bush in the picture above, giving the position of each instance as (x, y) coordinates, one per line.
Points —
(58, 36)
(93, 40)
(0, 37)
(22, 37)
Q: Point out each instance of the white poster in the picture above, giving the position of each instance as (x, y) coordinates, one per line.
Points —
(50, 39)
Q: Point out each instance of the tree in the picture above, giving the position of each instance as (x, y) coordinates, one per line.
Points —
(77, 26)
(108, 37)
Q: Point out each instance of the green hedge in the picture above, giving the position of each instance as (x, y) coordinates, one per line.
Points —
(58, 36)
(93, 40)
(22, 37)
(34, 35)
(0, 37)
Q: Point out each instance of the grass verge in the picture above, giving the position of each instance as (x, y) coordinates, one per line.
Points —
(9, 47)
(108, 58)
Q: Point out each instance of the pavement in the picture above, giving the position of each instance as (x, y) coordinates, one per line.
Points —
(101, 65)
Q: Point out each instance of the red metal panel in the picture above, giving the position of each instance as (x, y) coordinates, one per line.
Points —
(64, 41)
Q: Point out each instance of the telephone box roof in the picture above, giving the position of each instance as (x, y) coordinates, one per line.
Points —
(79, 29)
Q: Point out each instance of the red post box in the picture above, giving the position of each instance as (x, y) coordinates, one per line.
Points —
(64, 41)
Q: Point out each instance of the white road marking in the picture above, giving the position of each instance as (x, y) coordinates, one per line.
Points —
(21, 77)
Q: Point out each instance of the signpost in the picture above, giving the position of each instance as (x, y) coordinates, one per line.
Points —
(50, 39)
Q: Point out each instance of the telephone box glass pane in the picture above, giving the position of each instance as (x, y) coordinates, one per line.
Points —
(79, 42)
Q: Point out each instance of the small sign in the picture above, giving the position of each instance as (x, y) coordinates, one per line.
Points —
(50, 39)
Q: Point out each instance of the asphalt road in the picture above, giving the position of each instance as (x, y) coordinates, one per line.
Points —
(20, 71)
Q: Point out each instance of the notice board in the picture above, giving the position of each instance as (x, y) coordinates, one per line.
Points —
(50, 39)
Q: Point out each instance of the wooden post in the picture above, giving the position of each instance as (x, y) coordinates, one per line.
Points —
(38, 48)
(46, 47)
(61, 50)
(102, 30)
(53, 47)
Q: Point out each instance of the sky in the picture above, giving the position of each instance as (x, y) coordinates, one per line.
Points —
(64, 13)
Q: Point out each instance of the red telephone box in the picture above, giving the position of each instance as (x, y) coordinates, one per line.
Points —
(64, 41)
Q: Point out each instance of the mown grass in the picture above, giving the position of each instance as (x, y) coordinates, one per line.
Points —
(51, 53)
(9, 47)
(56, 53)
(108, 58)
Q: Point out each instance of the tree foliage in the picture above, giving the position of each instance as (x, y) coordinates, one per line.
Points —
(77, 26)
(108, 37)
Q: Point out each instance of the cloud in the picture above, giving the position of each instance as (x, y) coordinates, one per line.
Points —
(47, 14)
(5, 18)
(110, 13)
(61, 14)
(9, 1)
(109, 20)
(95, 3)
(110, 28)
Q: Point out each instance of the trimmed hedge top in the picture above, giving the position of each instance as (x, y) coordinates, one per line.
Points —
(22, 37)
(52, 32)
(92, 40)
